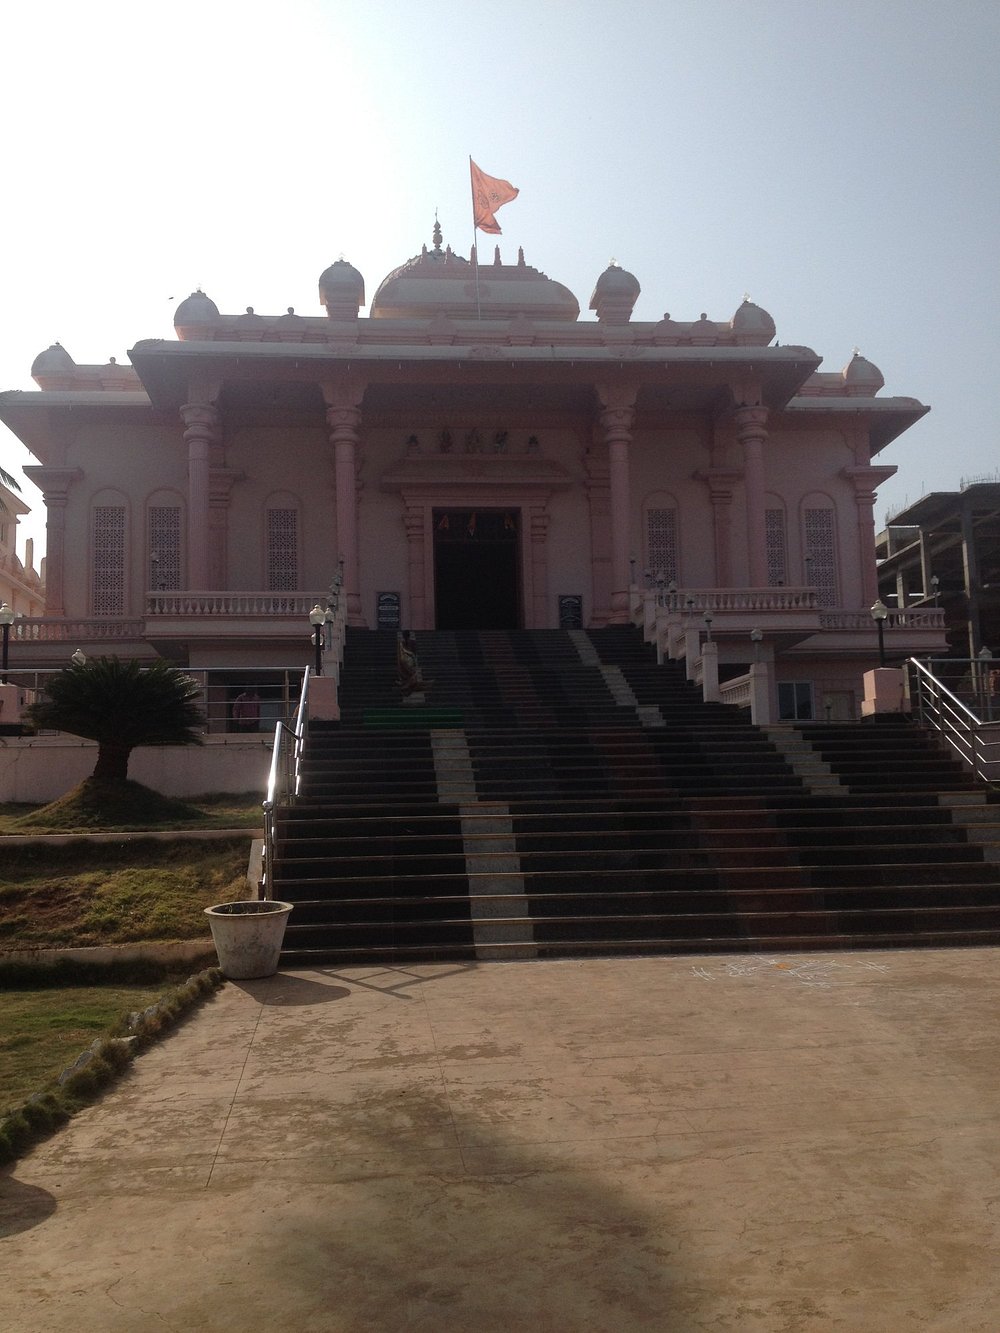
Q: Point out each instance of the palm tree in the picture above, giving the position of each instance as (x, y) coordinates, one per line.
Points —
(7, 480)
(120, 704)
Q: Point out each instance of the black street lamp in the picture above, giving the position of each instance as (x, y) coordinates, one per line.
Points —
(6, 620)
(317, 618)
(880, 613)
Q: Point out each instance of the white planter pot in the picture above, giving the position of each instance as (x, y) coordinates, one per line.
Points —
(248, 936)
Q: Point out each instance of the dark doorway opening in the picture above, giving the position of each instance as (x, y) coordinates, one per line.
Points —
(477, 582)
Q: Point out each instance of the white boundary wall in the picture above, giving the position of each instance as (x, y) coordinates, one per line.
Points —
(41, 768)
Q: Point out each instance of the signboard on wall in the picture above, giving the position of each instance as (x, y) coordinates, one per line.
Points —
(570, 611)
(387, 610)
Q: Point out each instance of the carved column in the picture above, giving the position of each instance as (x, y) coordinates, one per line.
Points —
(721, 483)
(751, 432)
(617, 418)
(866, 480)
(538, 529)
(201, 427)
(54, 483)
(600, 536)
(413, 522)
(222, 481)
(343, 420)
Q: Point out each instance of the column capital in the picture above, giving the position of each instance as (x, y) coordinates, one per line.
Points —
(617, 410)
(200, 419)
(343, 423)
(53, 482)
(346, 392)
(867, 480)
(750, 423)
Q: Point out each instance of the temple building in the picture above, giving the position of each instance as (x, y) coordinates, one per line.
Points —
(474, 453)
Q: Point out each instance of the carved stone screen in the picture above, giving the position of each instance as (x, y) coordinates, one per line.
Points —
(661, 542)
(282, 549)
(108, 572)
(777, 573)
(821, 546)
(164, 547)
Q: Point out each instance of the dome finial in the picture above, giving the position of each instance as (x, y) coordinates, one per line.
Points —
(436, 234)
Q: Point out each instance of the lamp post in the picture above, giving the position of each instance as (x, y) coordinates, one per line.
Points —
(935, 585)
(631, 568)
(708, 617)
(6, 620)
(317, 618)
(880, 613)
(756, 638)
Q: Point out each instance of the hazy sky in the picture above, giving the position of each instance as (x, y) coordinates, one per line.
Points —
(836, 160)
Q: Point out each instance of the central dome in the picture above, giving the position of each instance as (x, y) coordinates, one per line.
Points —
(440, 282)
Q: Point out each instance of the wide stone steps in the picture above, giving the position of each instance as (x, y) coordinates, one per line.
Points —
(551, 817)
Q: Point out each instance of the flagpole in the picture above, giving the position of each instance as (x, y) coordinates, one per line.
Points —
(475, 246)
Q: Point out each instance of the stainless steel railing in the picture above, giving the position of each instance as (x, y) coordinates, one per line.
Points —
(284, 778)
(976, 742)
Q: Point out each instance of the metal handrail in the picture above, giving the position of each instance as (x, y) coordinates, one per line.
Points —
(967, 735)
(284, 777)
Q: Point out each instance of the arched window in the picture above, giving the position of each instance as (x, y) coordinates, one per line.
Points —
(109, 553)
(281, 543)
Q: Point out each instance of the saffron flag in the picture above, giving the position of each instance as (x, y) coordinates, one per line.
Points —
(488, 194)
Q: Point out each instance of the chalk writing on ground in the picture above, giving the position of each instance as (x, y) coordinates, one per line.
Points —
(817, 973)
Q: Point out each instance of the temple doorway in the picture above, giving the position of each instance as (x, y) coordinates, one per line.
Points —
(477, 581)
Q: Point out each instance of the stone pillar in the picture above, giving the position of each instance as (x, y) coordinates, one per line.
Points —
(866, 480)
(201, 425)
(720, 488)
(751, 432)
(600, 537)
(537, 616)
(617, 418)
(416, 535)
(222, 480)
(710, 672)
(54, 483)
(343, 420)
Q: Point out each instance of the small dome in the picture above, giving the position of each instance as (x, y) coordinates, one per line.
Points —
(342, 290)
(196, 309)
(615, 295)
(861, 377)
(752, 326)
(54, 363)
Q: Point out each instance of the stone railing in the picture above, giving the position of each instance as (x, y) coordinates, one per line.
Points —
(923, 617)
(698, 600)
(233, 603)
(736, 691)
(43, 629)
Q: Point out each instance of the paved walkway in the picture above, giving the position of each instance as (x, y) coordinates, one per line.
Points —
(762, 1144)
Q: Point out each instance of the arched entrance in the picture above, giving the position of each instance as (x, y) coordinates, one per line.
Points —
(477, 576)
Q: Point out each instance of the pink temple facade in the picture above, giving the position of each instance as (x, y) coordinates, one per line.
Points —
(472, 454)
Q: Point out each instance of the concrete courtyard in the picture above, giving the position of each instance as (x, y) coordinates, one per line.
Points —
(765, 1143)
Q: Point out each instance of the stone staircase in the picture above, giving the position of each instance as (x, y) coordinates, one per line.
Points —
(559, 793)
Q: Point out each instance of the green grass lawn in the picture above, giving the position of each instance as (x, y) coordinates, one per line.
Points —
(84, 893)
(242, 810)
(43, 1031)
